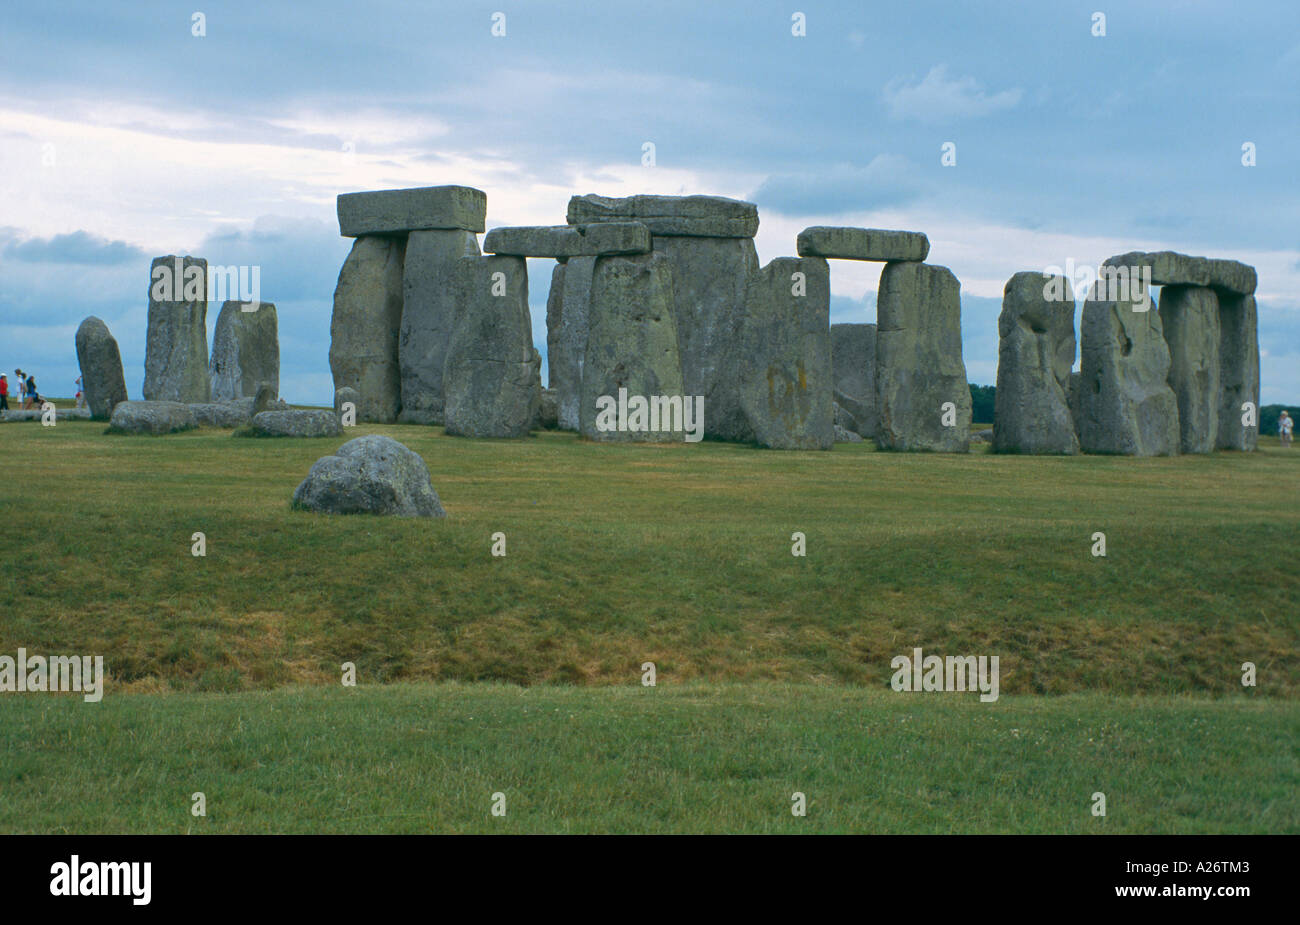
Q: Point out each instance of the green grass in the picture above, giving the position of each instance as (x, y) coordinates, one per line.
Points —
(675, 554)
(692, 758)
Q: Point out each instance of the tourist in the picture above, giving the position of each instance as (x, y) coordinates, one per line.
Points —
(1284, 428)
(81, 398)
(22, 386)
(33, 396)
(4, 392)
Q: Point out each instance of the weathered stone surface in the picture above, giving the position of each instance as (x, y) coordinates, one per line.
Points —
(1238, 371)
(853, 357)
(245, 350)
(1189, 316)
(366, 324)
(1036, 349)
(345, 396)
(710, 286)
(101, 368)
(151, 417)
(1124, 403)
(567, 309)
(490, 384)
(36, 414)
(1172, 269)
(428, 315)
(690, 216)
(919, 365)
(425, 208)
(565, 241)
(263, 400)
(176, 345)
(297, 423)
(632, 346)
(844, 435)
(548, 417)
(982, 436)
(227, 415)
(862, 244)
(370, 475)
(784, 347)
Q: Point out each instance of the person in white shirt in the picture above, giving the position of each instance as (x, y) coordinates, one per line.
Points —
(1284, 427)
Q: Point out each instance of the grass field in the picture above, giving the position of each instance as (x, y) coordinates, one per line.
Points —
(773, 670)
(687, 758)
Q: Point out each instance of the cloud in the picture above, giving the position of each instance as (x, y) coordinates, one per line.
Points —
(79, 247)
(889, 180)
(940, 99)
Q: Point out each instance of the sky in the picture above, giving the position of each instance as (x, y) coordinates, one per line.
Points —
(125, 136)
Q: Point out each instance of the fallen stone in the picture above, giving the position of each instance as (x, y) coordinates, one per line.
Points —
(1124, 403)
(785, 344)
(548, 417)
(632, 352)
(101, 368)
(1238, 371)
(982, 436)
(567, 309)
(226, 415)
(1172, 269)
(297, 423)
(365, 327)
(919, 367)
(426, 208)
(1036, 347)
(844, 435)
(373, 474)
(710, 286)
(36, 414)
(151, 417)
(565, 241)
(1189, 316)
(853, 357)
(245, 350)
(689, 216)
(176, 342)
(490, 384)
(863, 244)
(428, 316)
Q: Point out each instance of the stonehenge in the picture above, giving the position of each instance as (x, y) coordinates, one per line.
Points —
(1189, 316)
(176, 345)
(365, 326)
(853, 360)
(1238, 371)
(101, 368)
(245, 350)
(1036, 348)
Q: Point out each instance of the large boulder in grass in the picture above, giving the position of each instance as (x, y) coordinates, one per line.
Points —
(370, 475)
(151, 417)
(302, 423)
(101, 368)
(221, 414)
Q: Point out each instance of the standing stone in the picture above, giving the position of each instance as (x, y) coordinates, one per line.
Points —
(365, 327)
(101, 368)
(919, 366)
(428, 316)
(632, 346)
(176, 345)
(567, 308)
(785, 374)
(345, 396)
(1125, 405)
(710, 286)
(1035, 354)
(490, 382)
(853, 357)
(1238, 371)
(1189, 316)
(245, 351)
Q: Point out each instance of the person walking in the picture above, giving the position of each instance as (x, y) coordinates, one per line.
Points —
(81, 397)
(1284, 427)
(4, 392)
(33, 397)
(22, 386)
